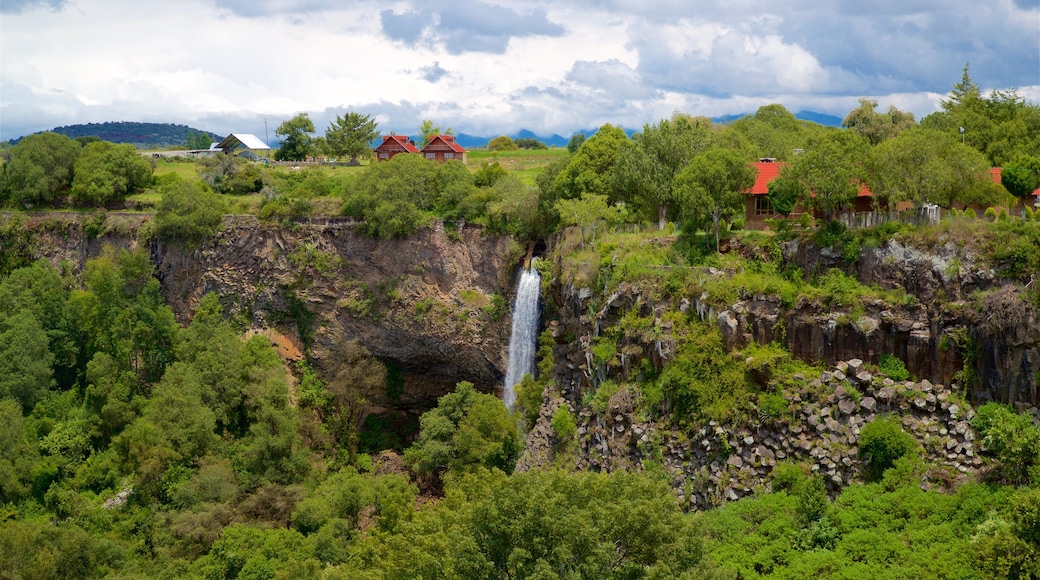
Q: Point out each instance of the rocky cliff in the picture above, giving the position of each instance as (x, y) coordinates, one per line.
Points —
(966, 335)
(433, 306)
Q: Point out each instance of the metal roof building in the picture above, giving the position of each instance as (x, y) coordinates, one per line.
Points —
(236, 140)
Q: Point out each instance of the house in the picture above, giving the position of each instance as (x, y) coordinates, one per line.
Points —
(443, 148)
(757, 208)
(394, 144)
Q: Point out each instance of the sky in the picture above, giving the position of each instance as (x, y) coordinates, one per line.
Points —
(491, 67)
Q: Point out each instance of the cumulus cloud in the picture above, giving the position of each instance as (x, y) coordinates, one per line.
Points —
(494, 66)
(465, 25)
(611, 77)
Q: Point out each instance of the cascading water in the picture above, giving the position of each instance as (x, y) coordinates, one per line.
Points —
(523, 341)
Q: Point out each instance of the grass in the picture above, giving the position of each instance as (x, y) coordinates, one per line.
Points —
(525, 164)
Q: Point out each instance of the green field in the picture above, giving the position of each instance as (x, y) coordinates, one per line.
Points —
(525, 164)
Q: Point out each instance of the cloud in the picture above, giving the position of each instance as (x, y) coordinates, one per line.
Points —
(16, 6)
(493, 66)
(260, 8)
(433, 73)
(465, 26)
(611, 77)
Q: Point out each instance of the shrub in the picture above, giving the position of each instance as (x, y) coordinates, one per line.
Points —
(563, 424)
(1012, 438)
(188, 211)
(529, 400)
(502, 143)
(881, 443)
(894, 367)
(991, 214)
(788, 477)
(703, 379)
(970, 214)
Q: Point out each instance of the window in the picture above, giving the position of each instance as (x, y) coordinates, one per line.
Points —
(431, 155)
(449, 156)
(762, 205)
(384, 155)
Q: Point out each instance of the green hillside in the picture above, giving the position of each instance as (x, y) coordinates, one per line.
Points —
(140, 135)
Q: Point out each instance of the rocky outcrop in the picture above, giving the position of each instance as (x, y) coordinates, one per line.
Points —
(947, 336)
(820, 428)
(433, 306)
(911, 333)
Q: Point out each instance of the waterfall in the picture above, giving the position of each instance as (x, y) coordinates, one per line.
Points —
(523, 341)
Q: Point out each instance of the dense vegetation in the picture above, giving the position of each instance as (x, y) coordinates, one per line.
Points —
(142, 135)
(135, 446)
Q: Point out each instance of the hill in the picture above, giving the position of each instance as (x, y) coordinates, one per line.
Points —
(140, 135)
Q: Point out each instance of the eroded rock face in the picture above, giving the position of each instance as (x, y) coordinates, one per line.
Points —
(723, 462)
(434, 306)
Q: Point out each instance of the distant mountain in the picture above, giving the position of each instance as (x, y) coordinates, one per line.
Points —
(475, 141)
(820, 118)
(140, 135)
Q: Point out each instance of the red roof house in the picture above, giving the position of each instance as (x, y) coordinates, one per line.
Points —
(394, 144)
(444, 147)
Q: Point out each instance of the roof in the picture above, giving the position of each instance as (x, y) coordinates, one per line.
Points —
(448, 140)
(768, 170)
(401, 140)
(234, 140)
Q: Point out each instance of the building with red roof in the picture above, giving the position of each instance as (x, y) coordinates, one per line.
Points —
(393, 145)
(444, 148)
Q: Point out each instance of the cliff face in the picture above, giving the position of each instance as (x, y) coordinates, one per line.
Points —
(433, 306)
(995, 340)
(948, 338)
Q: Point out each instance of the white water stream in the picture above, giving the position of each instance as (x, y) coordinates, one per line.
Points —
(523, 341)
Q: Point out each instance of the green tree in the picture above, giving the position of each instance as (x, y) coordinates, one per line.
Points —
(428, 130)
(589, 170)
(466, 430)
(26, 364)
(784, 192)
(502, 143)
(881, 443)
(351, 135)
(516, 209)
(575, 142)
(648, 164)
(541, 524)
(876, 127)
(489, 174)
(774, 132)
(391, 197)
(1021, 176)
(831, 171)
(18, 453)
(230, 174)
(197, 140)
(297, 142)
(106, 172)
(927, 166)
(712, 185)
(530, 143)
(188, 211)
(586, 212)
(355, 379)
(39, 168)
